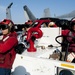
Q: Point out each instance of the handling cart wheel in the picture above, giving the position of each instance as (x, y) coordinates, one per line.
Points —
(65, 72)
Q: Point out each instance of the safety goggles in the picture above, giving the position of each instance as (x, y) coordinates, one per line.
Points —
(3, 26)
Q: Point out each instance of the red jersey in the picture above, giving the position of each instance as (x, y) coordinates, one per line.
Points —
(7, 52)
(70, 39)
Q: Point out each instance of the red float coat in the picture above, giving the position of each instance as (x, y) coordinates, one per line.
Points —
(7, 51)
(70, 39)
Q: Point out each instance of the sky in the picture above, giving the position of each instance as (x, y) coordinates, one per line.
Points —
(57, 7)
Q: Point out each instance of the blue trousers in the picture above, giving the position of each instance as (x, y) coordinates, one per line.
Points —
(4, 71)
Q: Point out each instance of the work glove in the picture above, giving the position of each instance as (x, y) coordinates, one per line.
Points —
(20, 48)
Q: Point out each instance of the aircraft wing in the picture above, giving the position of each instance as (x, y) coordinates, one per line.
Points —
(28, 14)
(69, 15)
(8, 11)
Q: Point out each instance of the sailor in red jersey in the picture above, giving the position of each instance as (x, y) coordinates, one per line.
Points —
(8, 40)
(71, 34)
(27, 26)
(69, 42)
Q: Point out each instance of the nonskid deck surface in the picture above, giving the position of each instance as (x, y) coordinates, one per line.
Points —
(39, 62)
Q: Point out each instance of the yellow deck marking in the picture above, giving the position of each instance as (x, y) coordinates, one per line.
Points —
(67, 65)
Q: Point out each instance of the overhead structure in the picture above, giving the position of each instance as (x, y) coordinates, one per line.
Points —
(8, 11)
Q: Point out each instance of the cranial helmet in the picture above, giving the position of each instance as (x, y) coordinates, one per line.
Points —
(6, 23)
(28, 23)
(72, 23)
